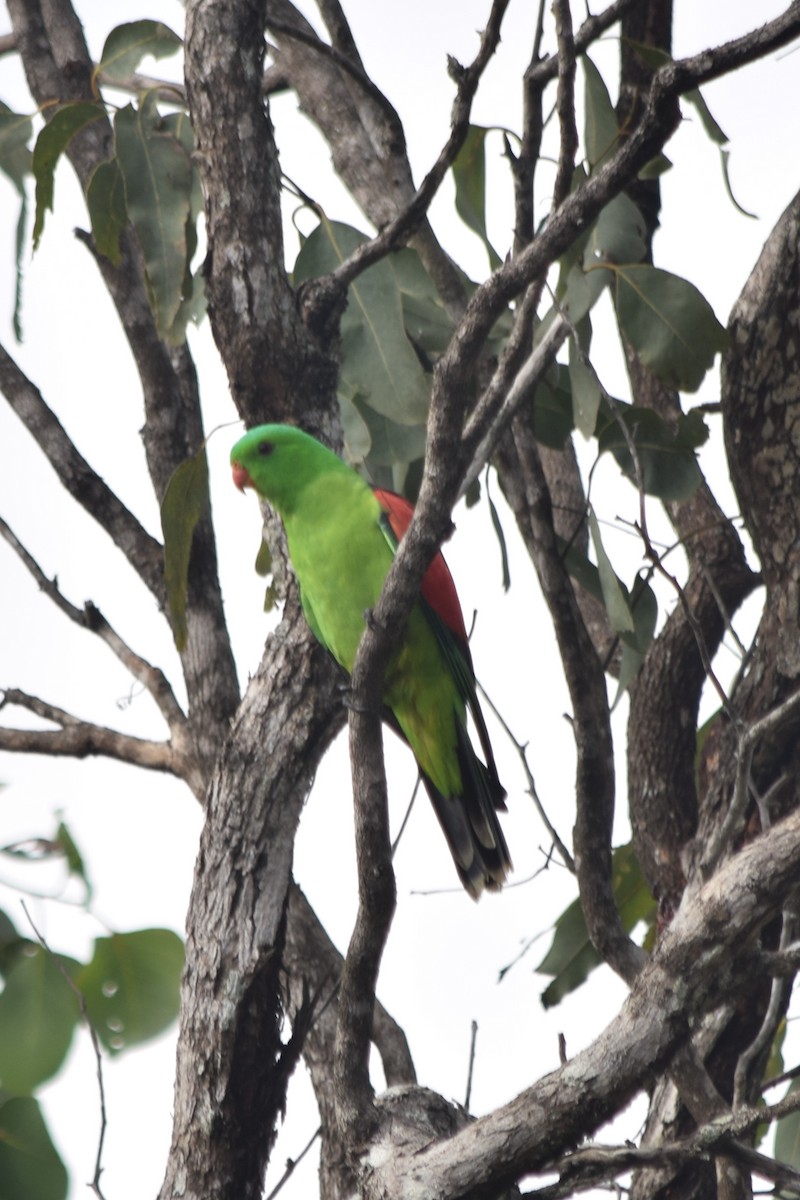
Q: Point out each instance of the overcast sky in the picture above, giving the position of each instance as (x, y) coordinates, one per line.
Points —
(139, 832)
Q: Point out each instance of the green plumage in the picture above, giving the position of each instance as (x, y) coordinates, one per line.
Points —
(341, 548)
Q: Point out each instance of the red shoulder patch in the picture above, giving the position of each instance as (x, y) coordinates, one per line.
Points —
(437, 588)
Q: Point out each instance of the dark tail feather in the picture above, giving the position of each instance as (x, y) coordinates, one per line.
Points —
(470, 823)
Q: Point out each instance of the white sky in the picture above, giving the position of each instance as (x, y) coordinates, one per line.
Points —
(139, 831)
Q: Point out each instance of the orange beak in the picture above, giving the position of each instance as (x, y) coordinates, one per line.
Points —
(241, 477)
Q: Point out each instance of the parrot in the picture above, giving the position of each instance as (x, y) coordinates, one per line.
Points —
(342, 535)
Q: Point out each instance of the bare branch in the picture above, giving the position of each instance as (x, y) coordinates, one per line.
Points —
(142, 551)
(89, 617)
(80, 739)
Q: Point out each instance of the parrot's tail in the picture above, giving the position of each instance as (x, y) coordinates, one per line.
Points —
(470, 824)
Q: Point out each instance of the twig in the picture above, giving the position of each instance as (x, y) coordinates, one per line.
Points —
(89, 617)
(396, 233)
(80, 480)
(407, 814)
(291, 1164)
(79, 739)
(98, 1058)
(472, 1042)
(566, 857)
(779, 995)
(748, 740)
(521, 388)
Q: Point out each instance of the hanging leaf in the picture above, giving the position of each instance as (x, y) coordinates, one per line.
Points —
(51, 143)
(75, 862)
(643, 606)
(424, 315)
(157, 170)
(666, 454)
(127, 45)
(668, 323)
(787, 1134)
(571, 956)
(586, 392)
(390, 442)
(501, 537)
(105, 199)
(29, 1162)
(185, 501)
(379, 363)
(614, 600)
(552, 408)
(601, 132)
(469, 173)
(38, 1013)
(131, 985)
(15, 162)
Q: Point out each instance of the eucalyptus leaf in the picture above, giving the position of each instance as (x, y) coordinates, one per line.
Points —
(469, 173)
(128, 44)
(379, 363)
(571, 956)
(157, 170)
(105, 199)
(586, 392)
(666, 454)
(185, 502)
(787, 1133)
(51, 143)
(131, 986)
(668, 323)
(614, 599)
(30, 1166)
(601, 132)
(38, 1014)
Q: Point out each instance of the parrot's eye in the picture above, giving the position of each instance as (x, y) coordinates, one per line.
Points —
(265, 448)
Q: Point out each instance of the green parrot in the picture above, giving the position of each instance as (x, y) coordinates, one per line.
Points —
(342, 536)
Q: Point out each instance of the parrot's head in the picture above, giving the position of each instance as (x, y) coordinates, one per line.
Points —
(277, 461)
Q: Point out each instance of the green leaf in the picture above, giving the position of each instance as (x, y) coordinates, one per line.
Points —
(38, 1012)
(601, 131)
(131, 985)
(127, 45)
(586, 392)
(717, 135)
(614, 600)
(51, 143)
(16, 130)
(668, 323)
(105, 199)
(357, 440)
(619, 234)
(185, 501)
(390, 443)
(379, 363)
(424, 315)
(571, 956)
(501, 537)
(787, 1134)
(29, 1162)
(666, 453)
(644, 610)
(75, 863)
(552, 408)
(157, 170)
(469, 173)
(15, 163)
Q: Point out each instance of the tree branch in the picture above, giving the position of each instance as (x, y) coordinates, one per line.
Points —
(80, 739)
(142, 551)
